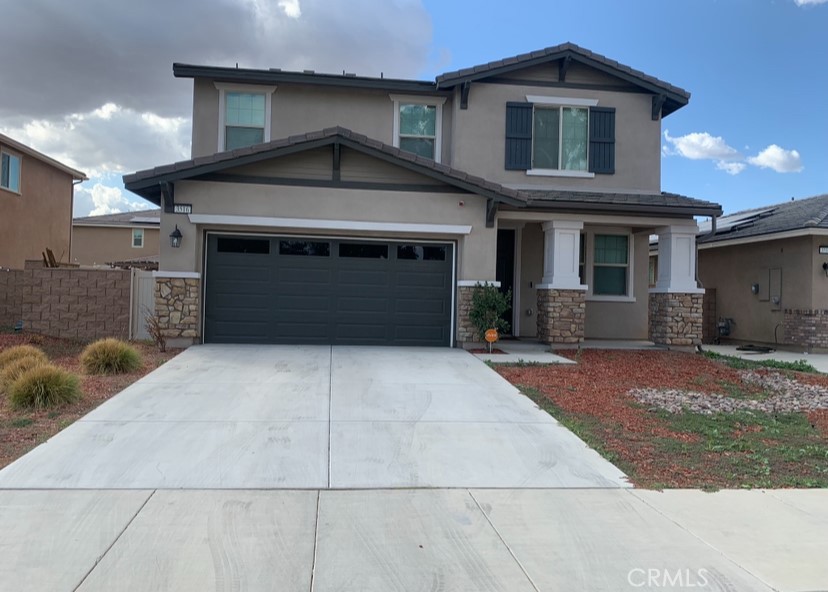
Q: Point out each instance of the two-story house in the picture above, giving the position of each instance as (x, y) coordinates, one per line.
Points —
(340, 209)
(36, 199)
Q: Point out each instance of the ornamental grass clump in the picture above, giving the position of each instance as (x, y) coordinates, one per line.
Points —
(110, 356)
(21, 351)
(42, 387)
(15, 369)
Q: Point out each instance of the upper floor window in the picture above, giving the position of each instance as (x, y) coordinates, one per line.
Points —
(137, 238)
(10, 172)
(244, 115)
(418, 123)
(560, 136)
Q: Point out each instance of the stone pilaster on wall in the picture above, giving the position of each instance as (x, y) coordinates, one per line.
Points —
(806, 328)
(675, 319)
(466, 332)
(177, 307)
(561, 315)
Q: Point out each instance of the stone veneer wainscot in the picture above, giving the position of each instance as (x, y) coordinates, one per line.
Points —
(177, 306)
(675, 318)
(561, 315)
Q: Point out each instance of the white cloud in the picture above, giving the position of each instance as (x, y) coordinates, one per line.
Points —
(291, 8)
(100, 199)
(809, 2)
(700, 146)
(108, 139)
(778, 159)
(731, 168)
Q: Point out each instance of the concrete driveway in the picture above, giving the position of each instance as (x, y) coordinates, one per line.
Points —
(315, 417)
(368, 469)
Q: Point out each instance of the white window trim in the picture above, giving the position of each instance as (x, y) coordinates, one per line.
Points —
(132, 238)
(418, 100)
(223, 88)
(560, 102)
(589, 262)
(19, 157)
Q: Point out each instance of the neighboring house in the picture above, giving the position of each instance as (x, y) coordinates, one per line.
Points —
(769, 269)
(126, 240)
(323, 209)
(36, 198)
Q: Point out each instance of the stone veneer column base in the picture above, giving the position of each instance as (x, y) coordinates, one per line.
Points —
(466, 332)
(177, 304)
(806, 328)
(561, 315)
(675, 319)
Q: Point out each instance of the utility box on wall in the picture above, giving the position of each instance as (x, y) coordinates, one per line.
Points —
(775, 288)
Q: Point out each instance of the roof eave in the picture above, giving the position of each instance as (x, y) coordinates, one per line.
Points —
(598, 207)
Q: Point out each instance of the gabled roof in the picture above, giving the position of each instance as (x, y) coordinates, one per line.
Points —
(147, 183)
(136, 218)
(75, 174)
(799, 214)
(661, 203)
(675, 97)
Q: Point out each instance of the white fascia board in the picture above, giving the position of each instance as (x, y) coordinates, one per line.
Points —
(176, 274)
(473, 283)
(765, 238)
(124, 226)
(317, 224)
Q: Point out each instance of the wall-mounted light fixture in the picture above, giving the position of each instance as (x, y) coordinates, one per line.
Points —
(175, 238)
(754, 288)
(825, 269)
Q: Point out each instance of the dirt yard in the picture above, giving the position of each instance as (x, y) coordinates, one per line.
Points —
(671, 419)
(20, 431)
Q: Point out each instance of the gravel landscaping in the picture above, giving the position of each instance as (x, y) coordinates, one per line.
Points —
(788, 396)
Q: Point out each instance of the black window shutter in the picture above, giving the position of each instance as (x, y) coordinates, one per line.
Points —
(518, 136)
(602, 140)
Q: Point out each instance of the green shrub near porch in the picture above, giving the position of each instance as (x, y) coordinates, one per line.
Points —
(488, 304)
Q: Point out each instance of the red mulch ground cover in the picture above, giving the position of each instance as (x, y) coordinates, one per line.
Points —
(20, 431)
(594, 394)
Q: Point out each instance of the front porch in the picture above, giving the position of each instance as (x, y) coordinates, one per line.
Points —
(580, 278)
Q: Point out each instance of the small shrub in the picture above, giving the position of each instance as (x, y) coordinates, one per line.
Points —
(21, 351)
(154, 328)
(44, 386)
(487, 305)
(15, 369)
(110, 356)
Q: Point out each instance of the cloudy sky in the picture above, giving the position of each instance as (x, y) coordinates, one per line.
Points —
(91, 83)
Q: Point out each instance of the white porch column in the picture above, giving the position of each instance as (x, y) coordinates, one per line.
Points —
(561, 249)
(677, 260)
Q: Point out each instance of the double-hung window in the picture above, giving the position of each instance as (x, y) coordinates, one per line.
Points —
(244, 115)
(418, 125)
(137, 238)
(611, 265)
(560, 138)
(10, 172)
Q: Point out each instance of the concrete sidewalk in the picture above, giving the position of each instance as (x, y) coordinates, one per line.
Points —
(381, 540)
(818, 361)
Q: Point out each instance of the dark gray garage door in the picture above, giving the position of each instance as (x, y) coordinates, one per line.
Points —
(312, 290)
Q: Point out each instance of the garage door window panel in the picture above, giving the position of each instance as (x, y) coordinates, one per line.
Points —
(304, 248)
(253, 246)
(421, 253)
(363, 250)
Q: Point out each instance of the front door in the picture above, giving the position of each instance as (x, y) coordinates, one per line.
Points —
(505, 269)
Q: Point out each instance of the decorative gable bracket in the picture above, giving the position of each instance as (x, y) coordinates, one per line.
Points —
(563, 66)
(491, 212)
(464, 94)
(658, 103)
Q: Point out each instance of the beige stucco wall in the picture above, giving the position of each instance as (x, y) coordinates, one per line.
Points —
(480, 131)
(40, 216)
(93, 245)
(604, 320)
(623, 320)
(298, 109)
(732, 270)
(476, 250)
